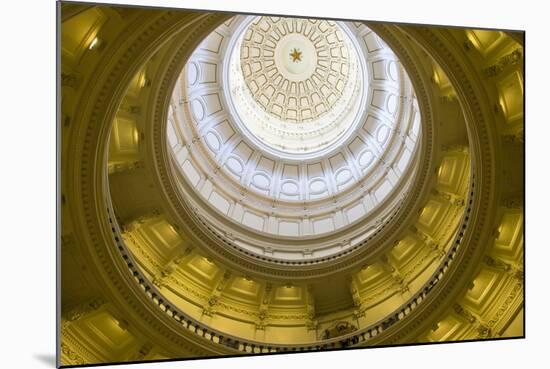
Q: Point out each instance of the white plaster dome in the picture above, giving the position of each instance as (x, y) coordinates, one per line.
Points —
(296, 84)
(259, 171)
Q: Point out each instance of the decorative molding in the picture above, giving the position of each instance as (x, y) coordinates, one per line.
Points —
(121, 278)
(513, 58)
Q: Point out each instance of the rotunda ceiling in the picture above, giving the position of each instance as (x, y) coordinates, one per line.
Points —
(206, 223)
(255, 173)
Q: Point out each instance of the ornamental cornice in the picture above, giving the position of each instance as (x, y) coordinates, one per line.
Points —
(481, 132)
(87, 172)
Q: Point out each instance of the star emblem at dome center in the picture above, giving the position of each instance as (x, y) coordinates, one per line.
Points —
(296, 55)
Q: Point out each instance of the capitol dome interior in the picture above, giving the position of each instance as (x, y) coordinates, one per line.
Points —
(255, 184)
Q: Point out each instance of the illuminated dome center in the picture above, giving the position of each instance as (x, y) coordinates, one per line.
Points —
(297, 83)
(298, 129)
(295, 57)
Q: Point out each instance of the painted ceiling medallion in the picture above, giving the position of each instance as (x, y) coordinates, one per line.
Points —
(295, 69)
(296, 85)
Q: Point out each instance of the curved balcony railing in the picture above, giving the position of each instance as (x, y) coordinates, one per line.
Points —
(313, 261)
(240, 345)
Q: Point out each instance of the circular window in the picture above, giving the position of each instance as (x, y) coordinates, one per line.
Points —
(296, 85)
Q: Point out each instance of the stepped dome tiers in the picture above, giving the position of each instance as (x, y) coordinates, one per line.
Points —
(308, 127)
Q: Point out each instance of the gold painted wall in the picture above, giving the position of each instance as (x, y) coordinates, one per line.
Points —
(124, 304)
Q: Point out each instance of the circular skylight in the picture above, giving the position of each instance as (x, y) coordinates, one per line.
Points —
(296, 84)
(295, 69)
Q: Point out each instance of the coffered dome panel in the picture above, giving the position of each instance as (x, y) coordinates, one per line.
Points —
(295, 69)
(296, 85)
